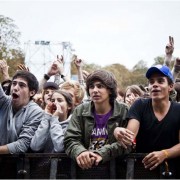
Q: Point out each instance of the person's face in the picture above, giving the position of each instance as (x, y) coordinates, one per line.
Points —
(47, 94)
(159, 87)
(99, 93)
(130, 97)
(20, 93)
(61, 105)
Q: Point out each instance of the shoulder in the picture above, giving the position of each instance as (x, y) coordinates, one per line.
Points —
(84, 108)
(33, 109)
(120, 105)
(120, 108)
(175, 105)
(142, 102)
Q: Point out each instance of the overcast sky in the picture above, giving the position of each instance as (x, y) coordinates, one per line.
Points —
(101, 32)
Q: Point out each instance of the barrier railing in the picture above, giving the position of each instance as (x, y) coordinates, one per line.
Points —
(59, 166)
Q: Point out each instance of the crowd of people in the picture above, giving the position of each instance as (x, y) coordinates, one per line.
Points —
(91, 119)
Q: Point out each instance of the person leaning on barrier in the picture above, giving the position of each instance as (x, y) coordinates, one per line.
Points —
(155, 121)
(89, 137)
(19, 115)
(49, 136)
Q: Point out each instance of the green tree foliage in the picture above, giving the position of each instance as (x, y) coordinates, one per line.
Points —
(158, 60)
(9, 44)
(91, 67)
(138, 73)
(121, 73)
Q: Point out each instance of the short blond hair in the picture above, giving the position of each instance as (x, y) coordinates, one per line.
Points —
(79, 90)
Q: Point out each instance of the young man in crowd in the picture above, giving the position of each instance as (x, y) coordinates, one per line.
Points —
(89, 137)
(154, 122)
(19, 115)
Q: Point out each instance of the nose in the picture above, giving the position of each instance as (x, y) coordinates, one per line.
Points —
(95, 89)
(50, 93)
(15, 87)
(155, 84)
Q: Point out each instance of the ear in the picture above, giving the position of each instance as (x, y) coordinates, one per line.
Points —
(171, 86)
(69, 107)
(32, 93)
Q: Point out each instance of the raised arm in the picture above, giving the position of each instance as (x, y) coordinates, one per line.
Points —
(169, 49)
(176, 68)
(4, 69)
(79, 64)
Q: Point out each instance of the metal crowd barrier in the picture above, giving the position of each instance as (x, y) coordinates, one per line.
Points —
(59, 166)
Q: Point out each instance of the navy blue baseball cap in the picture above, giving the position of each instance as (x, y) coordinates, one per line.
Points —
(161, 69)
(51, 85)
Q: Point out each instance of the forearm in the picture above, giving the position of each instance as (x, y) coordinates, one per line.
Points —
(57, 79)
(57, 135)
(80, 76)
(4, 149)
(175, 73)
(108, 152)
(176, 68)
(172, 152)
(39, 139)
(167, 60)
(5, 76)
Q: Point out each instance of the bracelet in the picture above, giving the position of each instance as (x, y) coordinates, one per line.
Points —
(166, 153)
(46, 77)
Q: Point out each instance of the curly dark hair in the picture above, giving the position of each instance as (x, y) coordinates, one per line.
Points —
(107, 79)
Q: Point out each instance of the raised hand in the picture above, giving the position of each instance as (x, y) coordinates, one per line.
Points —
(23, 67)
(78, 63)
(58, 111)
(57, 67)
(169, 49)
(50, 107)
(4, 69)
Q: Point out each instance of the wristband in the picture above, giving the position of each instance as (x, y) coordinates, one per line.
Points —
(165, 153)
(46, 77)
(62, 76)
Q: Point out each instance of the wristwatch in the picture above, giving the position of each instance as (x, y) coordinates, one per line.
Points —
(47, 77)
